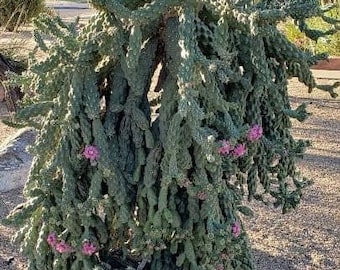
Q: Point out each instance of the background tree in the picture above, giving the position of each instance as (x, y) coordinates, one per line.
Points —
(11, 95)
(155, 121)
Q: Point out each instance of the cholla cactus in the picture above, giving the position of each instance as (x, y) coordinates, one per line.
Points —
(112, 183)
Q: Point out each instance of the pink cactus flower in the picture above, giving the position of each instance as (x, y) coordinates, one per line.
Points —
(52, 239)
(239, 150)
(91, 152)
(219, 267)
(236, 229)
(63, 247)
(255, 133)
(225, 148)
(89, 248)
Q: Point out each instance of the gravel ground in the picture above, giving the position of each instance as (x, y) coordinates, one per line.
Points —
(308, 238)
(305, 239)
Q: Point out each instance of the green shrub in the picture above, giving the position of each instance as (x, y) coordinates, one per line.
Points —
(329, 44)
(14, 13)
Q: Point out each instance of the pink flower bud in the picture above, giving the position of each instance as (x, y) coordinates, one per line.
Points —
(186, 183)
(88, 248)
(225, 148)
(236, 229)
(219, 267)
(255, 133)
(239, 150)
(63, 247)
(202, 195)
(224, 256)
(91, 152)
(52, 239)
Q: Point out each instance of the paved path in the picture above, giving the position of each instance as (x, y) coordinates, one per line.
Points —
(326, 74)
(69, 10)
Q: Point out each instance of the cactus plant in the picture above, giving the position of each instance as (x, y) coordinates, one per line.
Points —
(155, 122)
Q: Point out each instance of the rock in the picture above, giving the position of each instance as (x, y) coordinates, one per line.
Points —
(15, 161)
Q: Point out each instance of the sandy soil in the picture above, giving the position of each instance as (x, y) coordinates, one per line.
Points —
(306, 239)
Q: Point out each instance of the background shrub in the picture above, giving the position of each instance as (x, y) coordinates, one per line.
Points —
(329, 44)
(14, 13)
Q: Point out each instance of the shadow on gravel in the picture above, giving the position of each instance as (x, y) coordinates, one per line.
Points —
(313, 100)
(314, 162)
(265, 261)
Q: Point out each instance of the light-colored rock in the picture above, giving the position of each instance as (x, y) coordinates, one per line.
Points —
(15, 161)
